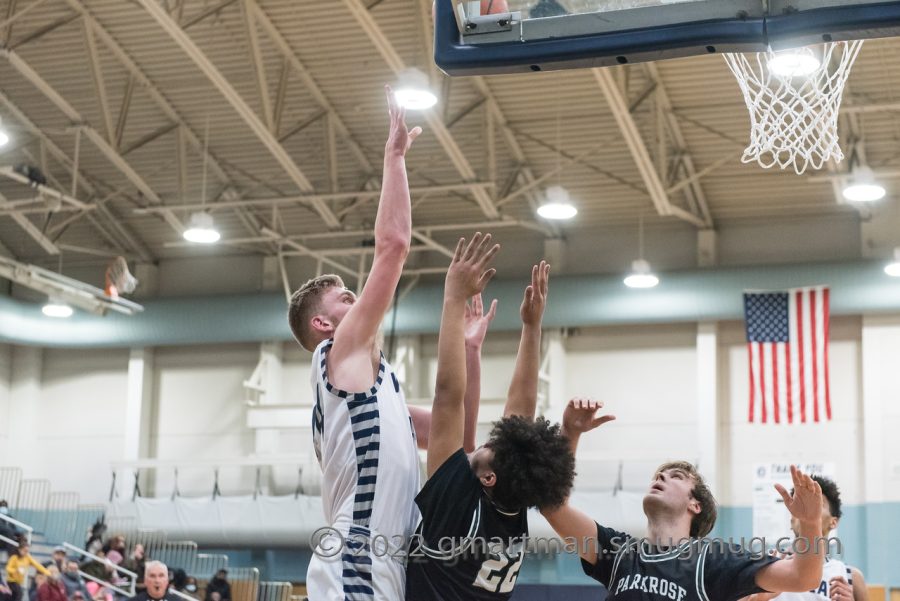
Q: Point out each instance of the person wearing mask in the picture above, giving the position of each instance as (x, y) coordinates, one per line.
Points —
(191, 586)
(219, 586)
(73, 581)
(53, 588)
(17, 569)
(156, 577)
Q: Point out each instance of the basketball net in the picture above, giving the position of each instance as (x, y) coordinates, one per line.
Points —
(118, 279)
(794, 114)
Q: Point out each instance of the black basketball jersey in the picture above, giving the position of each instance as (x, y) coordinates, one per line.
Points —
(465, 547)
(696, 570)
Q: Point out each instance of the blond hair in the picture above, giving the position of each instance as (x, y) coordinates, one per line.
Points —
(305, 304)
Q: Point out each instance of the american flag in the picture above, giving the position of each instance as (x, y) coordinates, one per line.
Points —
(787, 344)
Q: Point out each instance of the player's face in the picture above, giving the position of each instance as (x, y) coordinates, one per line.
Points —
(829, 523)
(670, 488)
(336, 302)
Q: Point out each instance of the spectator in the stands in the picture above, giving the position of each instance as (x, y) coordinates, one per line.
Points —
(17, 568)
(94, 542)
(98, 568)
(7, 530)
(98, 592)
(53, 588)
(179, 579)
(115, 543)
(156, 577)
(219, 585)
(58, 559)
(136, 563)
(191, 587)
(36, 583)
(73, 581)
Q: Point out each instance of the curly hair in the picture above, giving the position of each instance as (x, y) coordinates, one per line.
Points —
(831, 493)
(532, 462)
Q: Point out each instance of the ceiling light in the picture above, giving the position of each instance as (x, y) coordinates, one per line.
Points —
(413, 91)
(641, 276)
(558, 205)
(4, 137)
(863, 187)
(55, 308)
(794, 63)
(202, 229)
(893, 269)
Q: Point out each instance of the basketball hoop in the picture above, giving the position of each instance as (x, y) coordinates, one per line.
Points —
(118, 279)
(794, 107)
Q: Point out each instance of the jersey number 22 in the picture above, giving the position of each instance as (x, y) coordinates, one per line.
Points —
(499, 574)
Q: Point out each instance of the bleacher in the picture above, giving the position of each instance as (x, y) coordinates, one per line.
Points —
(51, 518)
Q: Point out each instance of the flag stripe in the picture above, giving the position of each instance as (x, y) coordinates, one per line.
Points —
(826, 309)
(762, 380)
(815, 362)
(800, 357)
(790, 376)
(775, 412)
(752, 380)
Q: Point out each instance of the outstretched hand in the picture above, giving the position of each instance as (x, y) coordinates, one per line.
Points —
(580, 416)
(469, 273)
(399, 138)
(477, 321)
(806, 502)
(532, 309)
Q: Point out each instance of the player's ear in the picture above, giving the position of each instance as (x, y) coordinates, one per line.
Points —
(694, 506)
(488, 479)
(321, 323)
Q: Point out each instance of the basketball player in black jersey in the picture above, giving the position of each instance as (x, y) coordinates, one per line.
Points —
(470, 543)
(672, 562)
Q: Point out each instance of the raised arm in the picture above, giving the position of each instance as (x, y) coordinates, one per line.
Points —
(467, 276)
(804, 570)
(354, 340)
(580, 416)
(522, 396)
(477, 322)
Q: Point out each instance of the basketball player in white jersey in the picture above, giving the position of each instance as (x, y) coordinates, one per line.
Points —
(839, 581)
(671, 562)
(363, 432)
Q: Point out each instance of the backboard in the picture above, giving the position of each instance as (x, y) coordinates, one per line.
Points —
(543, 35)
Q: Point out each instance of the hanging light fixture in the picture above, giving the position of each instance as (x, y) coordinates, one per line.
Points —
(893, 269)
(56, 308)
(863, 187)
(557, 205)
(413, 91)
(202, 229)
(4, 137)
(797, 62)
(641, 275)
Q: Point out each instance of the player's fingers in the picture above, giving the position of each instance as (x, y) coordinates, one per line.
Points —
(599, 421)
(489, 255)
(529, 295)
(392, 102)
(458, 253)
(545, 279)
(414, 133)
(473, 244)
(486, 277)
(796, 477)
(483, 248)
(493, 310)
(784, 494)
(477, 305)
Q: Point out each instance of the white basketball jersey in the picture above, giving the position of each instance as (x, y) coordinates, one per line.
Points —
(833, 568)
(366, 446)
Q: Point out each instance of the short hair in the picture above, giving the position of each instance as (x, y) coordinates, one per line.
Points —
(156, 564)
(831, 493)
(703, 522)
(532, 462)
(304, 305)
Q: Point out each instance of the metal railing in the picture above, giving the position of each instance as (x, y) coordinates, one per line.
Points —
(131, 576)
(9, 483)
(21, 526)
(275, 591)
(244, 583)
(207, 564)
(57, 524)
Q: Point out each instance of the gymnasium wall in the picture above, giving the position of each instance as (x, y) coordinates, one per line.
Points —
(67, 422)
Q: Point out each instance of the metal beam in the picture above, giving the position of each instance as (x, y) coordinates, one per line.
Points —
(280, 96)
(206, 13)
(31, 229)
(259, 67)
(311, 85)
(50, 146)
(294, 200)
(674, 129)
(123, 111)
(436, 125)
(92, 134)
(42, 31)
(238, 104)
(307, 251)
(99, 83)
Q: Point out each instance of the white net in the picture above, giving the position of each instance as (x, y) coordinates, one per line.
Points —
(794, 99)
